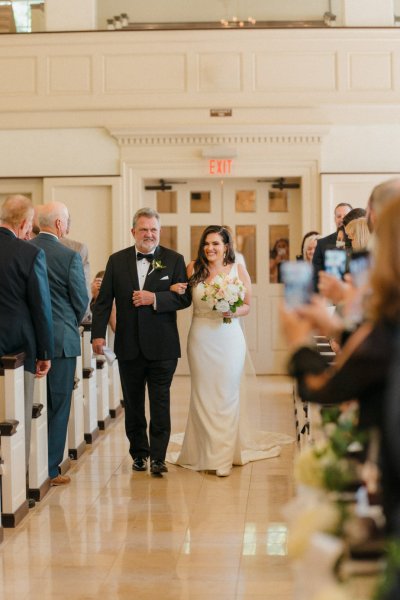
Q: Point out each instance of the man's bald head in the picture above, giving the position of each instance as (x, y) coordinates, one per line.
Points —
(53, 218)
(380, 196)
(16, 213)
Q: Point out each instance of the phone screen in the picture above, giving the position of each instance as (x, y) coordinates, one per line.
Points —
(297, 277)
(335, 262)
(359, 267)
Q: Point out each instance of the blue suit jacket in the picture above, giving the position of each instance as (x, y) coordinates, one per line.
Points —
(69, 297)
(25, 309)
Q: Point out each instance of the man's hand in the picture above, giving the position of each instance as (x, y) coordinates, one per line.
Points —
(143, 298)
(97, 345)
(42, 367)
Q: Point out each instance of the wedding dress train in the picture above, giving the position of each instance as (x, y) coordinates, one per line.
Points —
(218, 433)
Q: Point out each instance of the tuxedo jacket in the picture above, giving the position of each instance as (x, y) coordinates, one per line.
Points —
(154, 333)
(326, 243)
(25, 308)
(69, 297)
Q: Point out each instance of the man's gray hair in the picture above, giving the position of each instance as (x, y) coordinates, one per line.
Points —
(145, 212)
(384, 193)
(51, 212)
(15, 209)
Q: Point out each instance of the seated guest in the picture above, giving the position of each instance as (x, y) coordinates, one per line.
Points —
(361, 371)
(309, 234)
(310, 243)
(358, 233)
(278, 254)
(95, 289)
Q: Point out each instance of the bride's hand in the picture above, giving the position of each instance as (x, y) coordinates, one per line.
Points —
(178, 288)
(228, 314)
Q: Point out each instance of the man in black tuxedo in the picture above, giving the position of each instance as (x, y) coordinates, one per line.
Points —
(328, 241)
(146, 337)
(25, 307)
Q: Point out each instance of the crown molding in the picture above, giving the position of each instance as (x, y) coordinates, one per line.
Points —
(277, 135)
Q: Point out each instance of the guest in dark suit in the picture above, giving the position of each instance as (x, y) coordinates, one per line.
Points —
(69, 300)
(25, 309)
(328, 241)
(146, 338)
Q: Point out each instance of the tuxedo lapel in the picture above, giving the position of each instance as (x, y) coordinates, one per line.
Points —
(132, 268)
(152, 276)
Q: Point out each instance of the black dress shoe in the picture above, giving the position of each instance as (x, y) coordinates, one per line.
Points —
(157, 467)
(139, 464)
(31, 502)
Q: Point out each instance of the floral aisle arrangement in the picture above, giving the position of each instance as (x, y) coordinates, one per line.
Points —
(330, 520)
(224, 294)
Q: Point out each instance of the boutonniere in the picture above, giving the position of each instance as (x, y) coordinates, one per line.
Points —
(156, 265)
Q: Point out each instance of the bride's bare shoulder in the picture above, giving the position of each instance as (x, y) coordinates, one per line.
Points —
(190, 268)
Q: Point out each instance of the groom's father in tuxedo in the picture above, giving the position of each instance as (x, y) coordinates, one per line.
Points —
(146, 337)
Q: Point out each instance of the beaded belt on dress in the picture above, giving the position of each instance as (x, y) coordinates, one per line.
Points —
(208, 315)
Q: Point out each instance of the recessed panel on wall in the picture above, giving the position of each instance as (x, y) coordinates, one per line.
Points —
(370, 71)
(18, 75)
(69, 74)
(144, 73)
(219, 72)
(280, 71)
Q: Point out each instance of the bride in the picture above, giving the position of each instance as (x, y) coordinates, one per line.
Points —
(217, 433)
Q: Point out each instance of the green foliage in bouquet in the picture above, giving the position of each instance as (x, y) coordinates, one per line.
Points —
(391, 576)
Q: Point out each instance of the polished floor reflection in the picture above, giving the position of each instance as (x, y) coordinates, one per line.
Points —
(115, 534)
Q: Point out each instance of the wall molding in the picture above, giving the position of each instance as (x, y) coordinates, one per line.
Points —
(276, 136)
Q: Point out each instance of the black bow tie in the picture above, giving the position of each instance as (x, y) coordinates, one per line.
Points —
(148, 257)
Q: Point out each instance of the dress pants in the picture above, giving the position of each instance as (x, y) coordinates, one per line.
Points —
(158, 376)
(60, 383)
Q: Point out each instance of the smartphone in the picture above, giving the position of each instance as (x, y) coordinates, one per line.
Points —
(335, 261)
(297, 276)
(359, 267)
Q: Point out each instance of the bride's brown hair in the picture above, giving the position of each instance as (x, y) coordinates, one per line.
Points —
(200, 267)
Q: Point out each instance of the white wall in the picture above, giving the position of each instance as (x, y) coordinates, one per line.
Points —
(361, 149)
(55, 152)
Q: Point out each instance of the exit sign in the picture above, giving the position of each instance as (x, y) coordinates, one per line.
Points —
(220, 166)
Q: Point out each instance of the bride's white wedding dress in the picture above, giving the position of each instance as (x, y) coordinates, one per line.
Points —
(218, 434)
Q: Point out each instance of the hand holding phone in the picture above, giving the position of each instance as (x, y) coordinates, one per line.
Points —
(335, 262)
(297, 277)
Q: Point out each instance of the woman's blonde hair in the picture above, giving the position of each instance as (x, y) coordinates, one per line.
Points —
(385, 276)
(357, 230)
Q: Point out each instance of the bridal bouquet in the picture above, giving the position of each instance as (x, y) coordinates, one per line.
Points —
(224, 294)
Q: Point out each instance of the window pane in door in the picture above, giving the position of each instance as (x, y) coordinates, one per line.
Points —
(200, 202)
(195, 236)
(278, 201)
(169, 237)
(246, 245)
(245, 201)
(279, 250)
(166, 202)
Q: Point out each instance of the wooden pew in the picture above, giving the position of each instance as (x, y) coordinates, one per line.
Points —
(115, 393)
(39, 481)
(91, 427)
(76, 432)
(103, 405)
(12, 439)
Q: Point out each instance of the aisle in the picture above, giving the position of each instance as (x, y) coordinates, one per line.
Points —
(113, 534)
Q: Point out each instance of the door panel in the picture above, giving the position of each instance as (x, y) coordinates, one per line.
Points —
(257, 216)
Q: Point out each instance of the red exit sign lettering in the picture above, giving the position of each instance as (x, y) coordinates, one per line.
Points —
(220, 166)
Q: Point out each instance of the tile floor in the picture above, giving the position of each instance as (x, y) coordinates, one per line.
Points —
(114, 534)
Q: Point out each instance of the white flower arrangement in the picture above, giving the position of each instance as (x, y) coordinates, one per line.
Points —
(224, 294)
